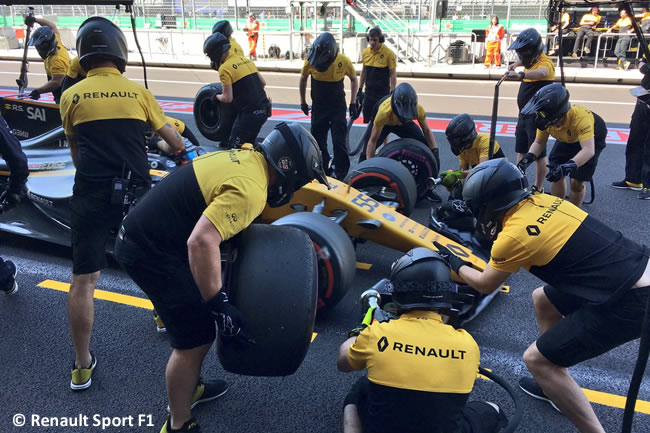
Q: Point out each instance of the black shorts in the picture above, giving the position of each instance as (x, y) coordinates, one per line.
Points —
(588, 330)
(562, 152)
(478, 416)
(168, 282)
(93, 218)
(525, 133)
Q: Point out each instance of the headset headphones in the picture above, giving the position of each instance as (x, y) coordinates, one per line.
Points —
(375, 29)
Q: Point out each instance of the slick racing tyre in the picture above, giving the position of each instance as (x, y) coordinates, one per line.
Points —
(276, 294)
(213, 119)
(385, 180)
(336, 256)
(415, 156)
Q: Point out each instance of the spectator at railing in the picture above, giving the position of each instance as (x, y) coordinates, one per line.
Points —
(644, 16)
(588, 24)
(624, 27)
(565, 20)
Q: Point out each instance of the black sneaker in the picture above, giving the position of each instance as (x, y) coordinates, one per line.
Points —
(532, 388)
(12, 286)
(190, 426)
(624, 184)
(644, 194)
(207, 391)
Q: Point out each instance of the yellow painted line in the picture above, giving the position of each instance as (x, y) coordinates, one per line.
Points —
(364, 266)
(134, 301)
(614, 400)
(505, 289)
(313, 336)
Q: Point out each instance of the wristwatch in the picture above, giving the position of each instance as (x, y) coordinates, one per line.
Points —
(522, 75)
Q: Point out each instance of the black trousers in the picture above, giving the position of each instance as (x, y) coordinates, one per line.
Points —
(323, 120)
(13, 154)
(587, 32)
(246, 127)
(637, 152)
(369, 102)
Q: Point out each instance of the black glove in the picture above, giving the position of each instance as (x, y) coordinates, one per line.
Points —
(227, 317)
(452, 259)
(526, 161)
(29, 20)
(436, 155)
(360, 96)
(305, 109)
(354, 110)
(35, 94)
(559, 171)
(11, 197)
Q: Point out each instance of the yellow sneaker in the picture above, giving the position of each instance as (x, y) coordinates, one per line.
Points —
(160, 325)
(190, 426)
(81, 377)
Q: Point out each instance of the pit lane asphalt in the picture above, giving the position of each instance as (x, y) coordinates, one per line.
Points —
(36, 350)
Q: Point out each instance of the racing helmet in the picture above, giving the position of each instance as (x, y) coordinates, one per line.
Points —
(214, 47)
(222, 27)
(461, 133)
(100, 39)
(528, 46)
(375, 32)
(45, 41)
(490, 189)
(421, 280)
(404, 102)
(323, 52)
(296, 158)
(548, 105)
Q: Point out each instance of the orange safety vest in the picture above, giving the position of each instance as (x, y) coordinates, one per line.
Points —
(495, 33)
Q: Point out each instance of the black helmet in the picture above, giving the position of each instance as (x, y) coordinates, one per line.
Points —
(296, 158)
(222, 27)
(549, 105)
(528, 46)
(375, 32)
(45, 41)
(323, 52)
(490, 189)
(98, 38)
(404, 102)
(214, 47)
(461, 133)
(421, 280)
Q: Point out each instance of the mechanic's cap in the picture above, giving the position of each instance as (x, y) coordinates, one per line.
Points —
(461, 133)
(323, 52)
(97, 39)
(404, 102)
(44, 40)
(222, 27)
(214, 47)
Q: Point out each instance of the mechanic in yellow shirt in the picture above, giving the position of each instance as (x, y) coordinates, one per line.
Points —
(580, 137)
(565, 20)
(538, 72)
(471, 149)
(55, 56)
(644, 16)
(624, 27)
(378, 74)
(328, 69)
(395, 114)
(182, 222)
(597, 280)
(224, 27)
(588, 24)
(421, 369)
(75, 74)
(243, 87)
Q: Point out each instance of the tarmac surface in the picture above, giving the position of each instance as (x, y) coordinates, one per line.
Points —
(36, 350)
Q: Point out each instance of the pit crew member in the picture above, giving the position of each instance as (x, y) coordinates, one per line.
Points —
(378, 74)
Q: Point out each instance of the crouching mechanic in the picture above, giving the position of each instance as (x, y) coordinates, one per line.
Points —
(243, 87)
(328, 68)
(597, 280)
(104, 117)
(470, 147)
(580, 138)
(181, 223)
(56, 58)
(420, 369)
(395, 114)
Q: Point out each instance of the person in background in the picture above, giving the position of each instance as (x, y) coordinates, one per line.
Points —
(644, 16)
(378, 74)
(624, 27)
(565, 20)
(494, 34)
(588, 24)
(56, 58)
(253, 29)
(225, 29)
